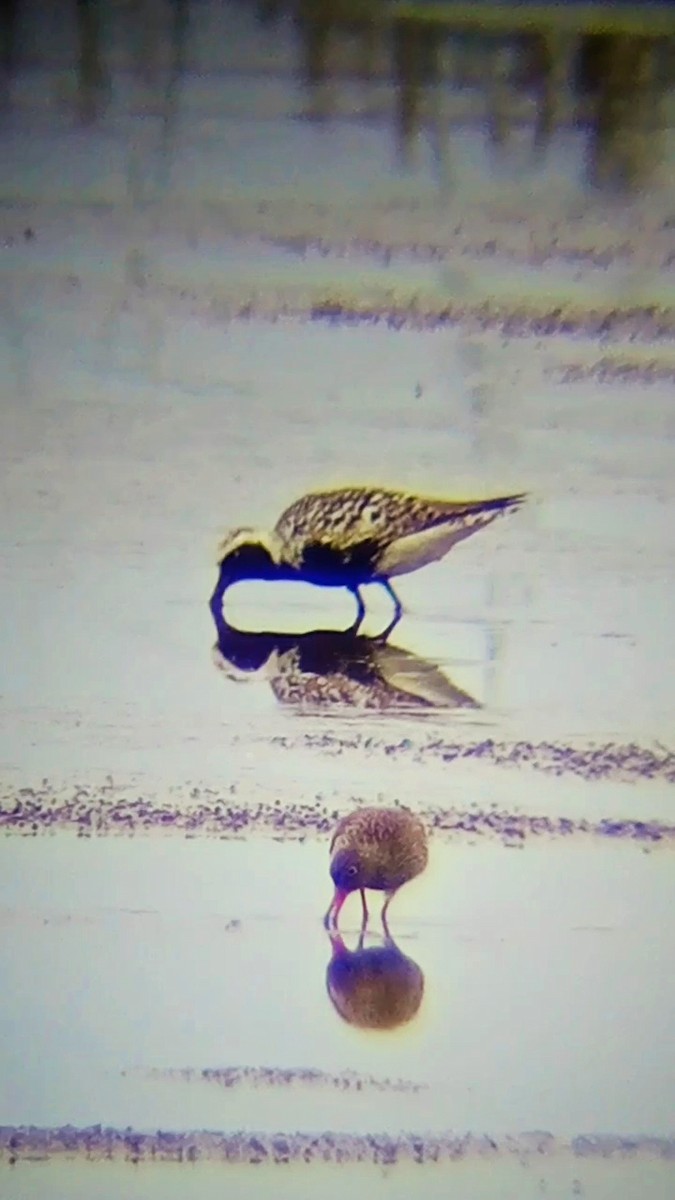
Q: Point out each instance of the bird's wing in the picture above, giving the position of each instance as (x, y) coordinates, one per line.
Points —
(450, 523)
(349, 517)
(420, 679)
(336, 834)
(343, 823)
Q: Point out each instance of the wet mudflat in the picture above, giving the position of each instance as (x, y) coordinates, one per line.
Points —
(164, 961)
(182, 984)
(169, 992)
(492, 1179)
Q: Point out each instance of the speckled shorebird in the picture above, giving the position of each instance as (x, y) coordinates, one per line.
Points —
(375, 848)
(327, 669)
(353, 536)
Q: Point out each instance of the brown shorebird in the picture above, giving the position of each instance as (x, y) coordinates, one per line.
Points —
(378, 848)
(353, 536)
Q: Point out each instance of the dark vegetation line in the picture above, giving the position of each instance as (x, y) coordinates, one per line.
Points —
(277, 1077)
(98, 1143)
(204, 812)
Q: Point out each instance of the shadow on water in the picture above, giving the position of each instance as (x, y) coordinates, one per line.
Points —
(373, 987)
(324, 670)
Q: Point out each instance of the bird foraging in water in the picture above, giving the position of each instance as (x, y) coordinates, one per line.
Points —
(353, 536)
(378, 849)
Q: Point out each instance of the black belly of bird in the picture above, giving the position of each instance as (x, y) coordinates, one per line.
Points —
(254, 562)
(247, 562)
(327, 567)
(326, 653)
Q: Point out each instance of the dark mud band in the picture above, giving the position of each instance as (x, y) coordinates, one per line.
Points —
(627, 763)
(90, 813)
(277, 1077)
(19, 1143)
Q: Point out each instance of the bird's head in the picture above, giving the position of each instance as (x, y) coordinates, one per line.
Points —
(249, 554)
(241, 657)
(347, 873)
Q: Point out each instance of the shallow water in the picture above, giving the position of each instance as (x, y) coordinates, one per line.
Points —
(560, 1180)
(122, 956)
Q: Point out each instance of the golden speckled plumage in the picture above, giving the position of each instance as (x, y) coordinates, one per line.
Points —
(345, 517)
(363, 673)
(351, 536)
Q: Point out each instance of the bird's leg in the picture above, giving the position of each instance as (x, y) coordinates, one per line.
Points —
(386, 633)
(385, 925)
(364, 906)
(398, 607)
(360, 610)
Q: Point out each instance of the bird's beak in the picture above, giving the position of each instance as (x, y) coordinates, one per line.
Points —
(334, 908)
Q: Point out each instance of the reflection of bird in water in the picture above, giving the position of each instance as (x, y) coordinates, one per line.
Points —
(375, 988)
(353, 536)
(378, 848)
(331, 669)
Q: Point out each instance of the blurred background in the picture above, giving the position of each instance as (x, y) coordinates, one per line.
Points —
(595, 76)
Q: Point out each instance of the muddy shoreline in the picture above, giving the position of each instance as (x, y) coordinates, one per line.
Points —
(22, 1143)
(89, 814)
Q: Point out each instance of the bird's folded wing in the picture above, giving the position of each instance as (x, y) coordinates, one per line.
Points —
(346, 518)
(421, 679)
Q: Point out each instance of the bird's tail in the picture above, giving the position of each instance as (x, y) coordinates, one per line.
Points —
(468, 516)
(497, 504)
(447, 524)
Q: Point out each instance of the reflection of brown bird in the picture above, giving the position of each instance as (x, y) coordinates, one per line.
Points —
(353, 536)
(378, 848)
(330, 669)
(376, 988)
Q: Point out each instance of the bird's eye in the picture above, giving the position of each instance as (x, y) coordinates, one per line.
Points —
(352, 870)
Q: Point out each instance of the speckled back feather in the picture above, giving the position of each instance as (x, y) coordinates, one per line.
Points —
(347, 517)
(381, 679)
(391, 844)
